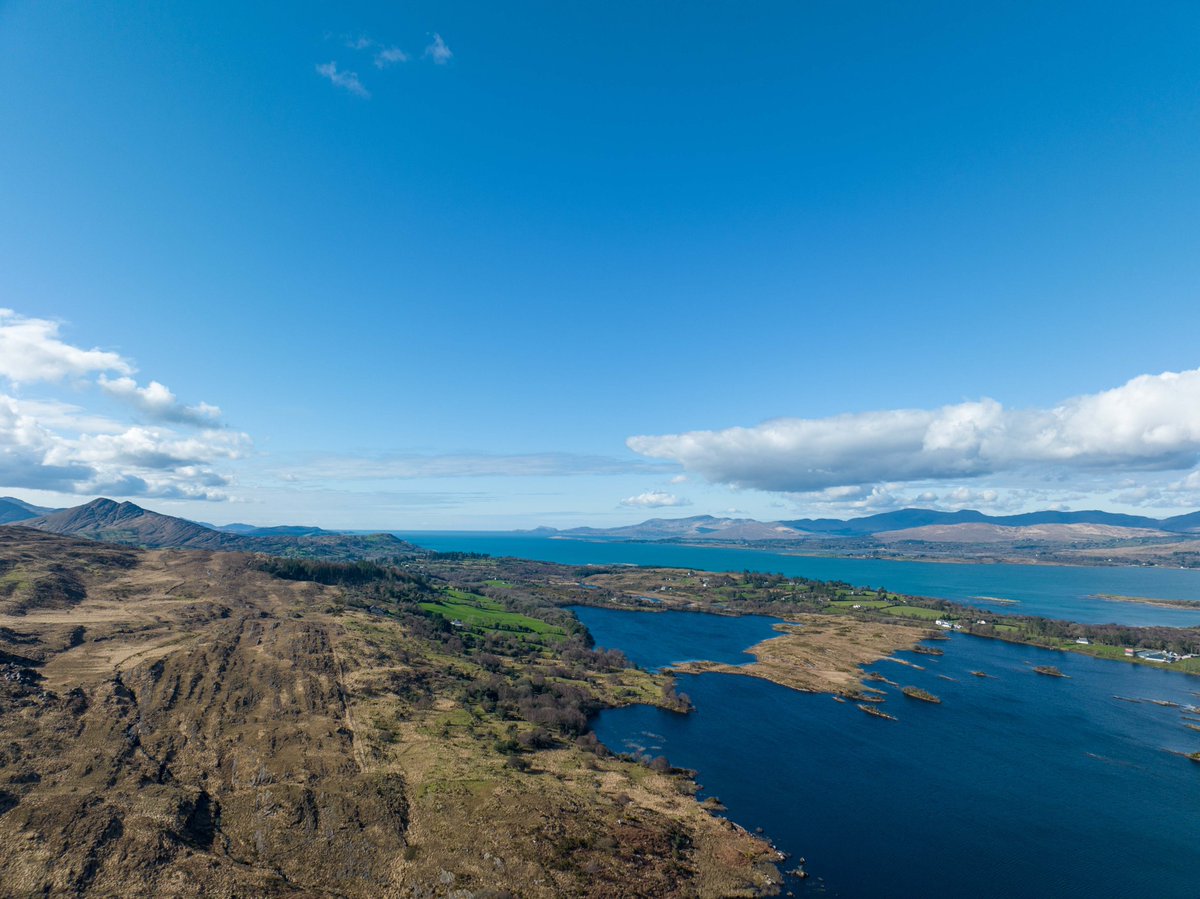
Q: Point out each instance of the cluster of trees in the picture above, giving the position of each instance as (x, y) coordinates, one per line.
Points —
(367, 583)
(346, 574)
(578, 653)
(555, 707)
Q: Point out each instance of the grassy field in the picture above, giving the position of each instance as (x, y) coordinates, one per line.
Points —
(482, 613)
(914, 612)
(1117, 653)
(864, 603)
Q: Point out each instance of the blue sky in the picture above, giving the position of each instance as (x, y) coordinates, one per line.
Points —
(437, 264)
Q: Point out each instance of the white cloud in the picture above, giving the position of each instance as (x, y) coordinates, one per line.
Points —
(127, 461)
(49, 444)
(362, 42)
(345, 80)
(438, 51)
(1150, 423)
(159, 403)
(965, 498)
(31, 350)
(654, 499)
(390, 56)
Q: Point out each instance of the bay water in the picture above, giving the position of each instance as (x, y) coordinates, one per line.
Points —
(1017, 784)
(1053, 591)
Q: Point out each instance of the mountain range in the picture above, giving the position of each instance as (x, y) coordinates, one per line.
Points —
(710, 528)
(1089, 530)
(129, 524)
(914, 518)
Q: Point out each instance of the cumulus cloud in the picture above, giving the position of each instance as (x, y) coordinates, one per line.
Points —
(654, 499)
(127, 461)
(49, 444)
(31, 350)
(159, 403)
(438, 51)
(1150, 423)
(346, 80)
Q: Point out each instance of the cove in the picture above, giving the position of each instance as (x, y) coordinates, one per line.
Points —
(656, 639)
(1016, 785)
(1053, 591)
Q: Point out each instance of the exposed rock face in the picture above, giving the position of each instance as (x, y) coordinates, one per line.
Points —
(222, 767)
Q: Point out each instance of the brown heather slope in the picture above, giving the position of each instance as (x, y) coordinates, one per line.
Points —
(185, 724)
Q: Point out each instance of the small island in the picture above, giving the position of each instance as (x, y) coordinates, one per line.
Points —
(1048, 671)
(876, 712)
(1190, 605)
(918, 693)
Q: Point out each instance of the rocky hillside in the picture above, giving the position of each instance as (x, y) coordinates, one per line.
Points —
(186, 724)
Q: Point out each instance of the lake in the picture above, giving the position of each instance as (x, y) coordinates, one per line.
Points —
(1054, 591)
(1016, 785)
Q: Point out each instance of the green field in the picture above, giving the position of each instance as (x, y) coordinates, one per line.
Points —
(914, 612)
(481, 613)
(495, 582)
(865, 603)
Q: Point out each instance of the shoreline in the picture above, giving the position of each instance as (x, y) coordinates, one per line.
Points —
(799, 552)
(1187, 605)
(818, 653)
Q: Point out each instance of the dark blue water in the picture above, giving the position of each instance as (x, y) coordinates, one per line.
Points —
(1016, 785)
(1051, 590)
(677, 636)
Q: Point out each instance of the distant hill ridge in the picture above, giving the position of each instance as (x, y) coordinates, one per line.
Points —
(13, 509)
(697, 527)
(126, 523)
(708, 527)
(283, 530)
(914, 518)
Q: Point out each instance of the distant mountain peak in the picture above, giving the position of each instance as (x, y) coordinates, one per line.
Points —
(127, 523)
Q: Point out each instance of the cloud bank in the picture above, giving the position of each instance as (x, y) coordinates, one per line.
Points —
(1150, 423)
(31, 350)
(49, 444)
(654, 499)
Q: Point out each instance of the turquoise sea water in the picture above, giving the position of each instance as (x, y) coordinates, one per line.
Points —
(1048, 590)
(1016, 785)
